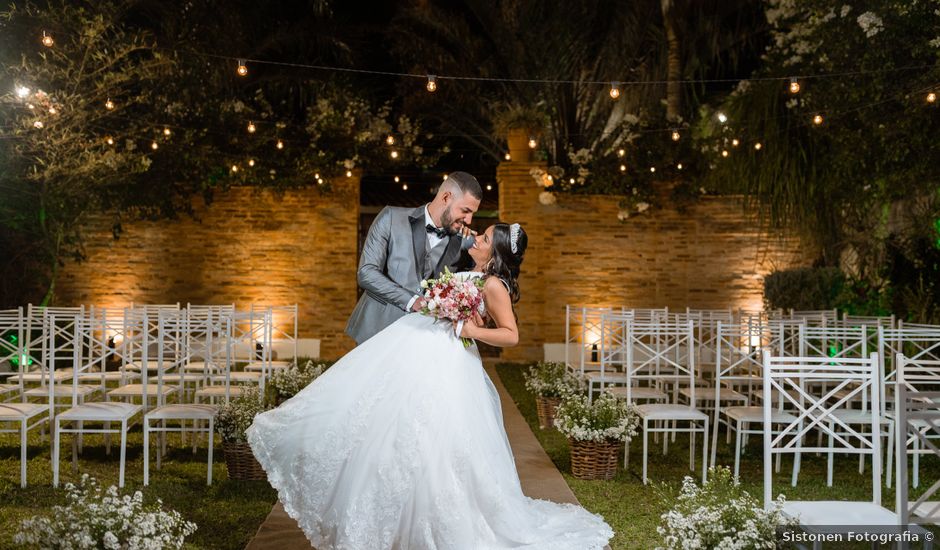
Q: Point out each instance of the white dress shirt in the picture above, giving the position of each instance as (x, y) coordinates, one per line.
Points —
(433, 240)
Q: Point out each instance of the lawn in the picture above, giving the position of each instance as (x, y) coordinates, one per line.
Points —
(633, 510)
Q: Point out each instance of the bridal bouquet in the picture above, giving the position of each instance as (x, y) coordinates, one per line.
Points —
(453, 298)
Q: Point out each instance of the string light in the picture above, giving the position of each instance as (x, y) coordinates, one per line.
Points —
(679, 166)
(532, 143)
(316, 176)
(38, 124)
(757, 146)
(394, 154)
(348, 173)
(280, 144)
(109, 140)
(432, 83)
(109, 105)
(22, 91)
(242, 69)
(507, 156)
(234, 168)
(735, 142)
(722, 118)
(621, 153)
(390, 140)
(794, 86)
(724, 153)
(571, 181)
(397, 179)
(652, 169)
(404, 187)
(47, 40)
(154, 145)
(817, 120)
(251, 162)
(931, 97)
(675, 135)
(614, 90)
(167, 132)
(445, 177)
(489, 187)
(623, 167)
(251, 127)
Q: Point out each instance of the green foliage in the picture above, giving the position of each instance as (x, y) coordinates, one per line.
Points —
(804, 288)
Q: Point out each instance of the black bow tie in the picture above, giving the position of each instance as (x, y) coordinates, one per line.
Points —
(439, 231)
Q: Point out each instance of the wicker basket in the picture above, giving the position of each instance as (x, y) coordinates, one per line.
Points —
(546, 407)
(241, 462)
(595, 459)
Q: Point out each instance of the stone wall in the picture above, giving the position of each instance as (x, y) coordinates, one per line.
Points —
(247, 247)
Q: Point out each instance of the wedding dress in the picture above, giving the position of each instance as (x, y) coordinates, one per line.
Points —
(400, 445)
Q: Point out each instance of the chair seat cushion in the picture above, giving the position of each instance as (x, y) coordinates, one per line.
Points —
(708, 394)
(640, 392)
(137, 390)
(756, 414)
(839, 512)
(21, 411)
(182, 412)
(215, 391)
(665, 411)
(61, 390)
(111, 410)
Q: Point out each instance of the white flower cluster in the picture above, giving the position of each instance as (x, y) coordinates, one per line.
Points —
(285, 383)
(605, 418)
(96, 519)
(234, 417)
(547, 198)
(719, 515)
(550, 379)
(870, 23)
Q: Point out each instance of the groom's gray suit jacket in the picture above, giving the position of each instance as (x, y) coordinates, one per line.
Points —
(395, 259)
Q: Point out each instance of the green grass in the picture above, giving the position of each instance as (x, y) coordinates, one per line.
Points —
(633, 510)
(228, 513)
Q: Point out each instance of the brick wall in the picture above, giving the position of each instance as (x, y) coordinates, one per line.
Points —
(248, 246)
(713, 256)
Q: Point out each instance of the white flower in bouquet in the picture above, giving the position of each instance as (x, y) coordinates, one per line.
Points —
(453, 298)
(103, 519)
(720, 515)
(607, 417)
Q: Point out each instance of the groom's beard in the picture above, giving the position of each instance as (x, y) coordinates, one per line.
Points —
(447, 223)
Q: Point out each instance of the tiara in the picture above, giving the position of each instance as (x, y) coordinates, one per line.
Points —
(514, 237)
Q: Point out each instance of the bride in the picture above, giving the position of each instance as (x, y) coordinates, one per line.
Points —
(400, 445)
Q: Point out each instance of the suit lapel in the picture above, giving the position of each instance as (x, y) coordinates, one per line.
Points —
(450, 253)
(419, 239)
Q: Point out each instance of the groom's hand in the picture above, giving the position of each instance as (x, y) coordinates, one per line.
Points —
(419, 304)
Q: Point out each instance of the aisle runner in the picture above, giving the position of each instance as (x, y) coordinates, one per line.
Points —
(540, 479)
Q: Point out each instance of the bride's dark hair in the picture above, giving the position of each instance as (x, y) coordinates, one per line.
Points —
(505, 263)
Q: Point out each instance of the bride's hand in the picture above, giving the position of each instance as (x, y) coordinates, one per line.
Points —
(468, 329)
(478, 320)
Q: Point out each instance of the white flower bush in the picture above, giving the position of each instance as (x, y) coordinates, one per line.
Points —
(719, 515)
(870, 23)
(96, 518)
(607, 417)
(285, 383)
(234, 417)
(549, 379)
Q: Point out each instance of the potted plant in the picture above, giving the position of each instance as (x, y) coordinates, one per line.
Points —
(96, 518)
(720, 514)
(231, 421)
(597, 432)
(550, 382)
(287, 382)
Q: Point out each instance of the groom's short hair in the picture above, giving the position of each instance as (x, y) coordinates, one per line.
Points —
(466, 183)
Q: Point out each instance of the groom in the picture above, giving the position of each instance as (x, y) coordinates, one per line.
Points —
(405, 246)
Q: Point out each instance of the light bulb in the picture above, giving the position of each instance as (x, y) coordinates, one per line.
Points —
(390, 140)
(532, 143)
(621, 153)
(38, 124)
(652, 169)
(154, 145)
(757, 146)
(489, 187)
(251, 127)
(234, 168)
(280, 144)
(47, 40)
(724, 153)
(394, 154)
(167, 132)
(571, 181)
(507, 156)
(735, 142)
(242, 69)
(614, 90)
(817, 120)
(679, 166)
(445, 177)
(794, 86)
(22, 91)
(623, 167)
(109, 140)
(348, 173)
(109, 105)
(251, 162)
(432, 83)
(404, 186)
(675, 135)
(931, 97)
(316, 176)
(397, 179)
(722, 118)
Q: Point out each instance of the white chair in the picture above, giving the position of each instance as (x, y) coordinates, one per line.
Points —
(173, 352)
(661, 341)
(73, 420)
(917, 416)
(814, 411)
